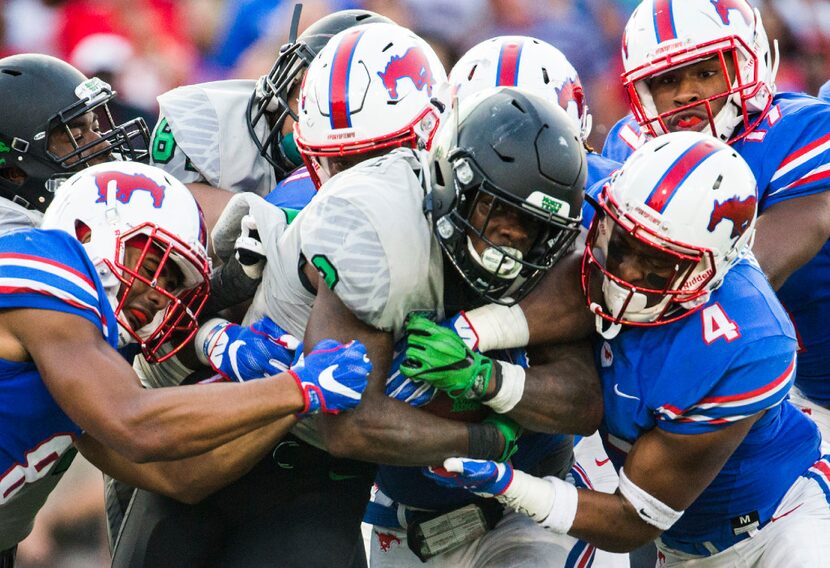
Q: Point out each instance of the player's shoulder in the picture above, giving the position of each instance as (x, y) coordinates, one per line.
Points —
(188, 95)
(742, 311)
(791, 116)
(625, 137)
(49, 244)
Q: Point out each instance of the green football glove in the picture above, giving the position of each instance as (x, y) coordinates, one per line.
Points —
(438, 356)
(511, 431)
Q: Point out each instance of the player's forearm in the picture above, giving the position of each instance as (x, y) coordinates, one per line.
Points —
(192, 479)
(383, 430)
(609, 522)
(167, 424)
(562, 393)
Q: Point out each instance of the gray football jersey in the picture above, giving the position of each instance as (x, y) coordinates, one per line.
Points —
(367, 235)
(202, 136)
(14, 216)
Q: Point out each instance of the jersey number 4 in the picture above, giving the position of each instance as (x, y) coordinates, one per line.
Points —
(716, 324)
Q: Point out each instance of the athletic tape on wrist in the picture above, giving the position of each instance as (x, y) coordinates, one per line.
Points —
(562, 513)
(484, 442)
(510, 389)
(649, 508)
(549, 501)
(205, 336)
(499, 327)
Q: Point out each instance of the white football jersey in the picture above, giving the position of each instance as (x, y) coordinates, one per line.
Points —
(202, 136)
(14, 216)
(367, 234)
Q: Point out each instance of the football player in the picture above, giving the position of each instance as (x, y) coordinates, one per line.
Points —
(696, 417)
(44, 139)
(121, 259)
(706, 66)
(233, 136)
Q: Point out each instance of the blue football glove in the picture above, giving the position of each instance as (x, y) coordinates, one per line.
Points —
(400, 387)
(482, 477)
(463, 329)
(242, 353)
(332, 377)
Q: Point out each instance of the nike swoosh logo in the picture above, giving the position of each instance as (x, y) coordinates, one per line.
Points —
(618, 392)
(772, 520)
(338, 477)
(235, 346)
(329, 383)
(601, 463)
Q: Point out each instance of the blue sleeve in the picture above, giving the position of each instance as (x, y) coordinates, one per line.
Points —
(623, 138)
(757, 378)
(49, 270)
(793, 160)
(294, 192)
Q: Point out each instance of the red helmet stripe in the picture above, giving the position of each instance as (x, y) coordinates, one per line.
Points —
(677, 173)
(664, 21)
(507, 73)
(339, 112)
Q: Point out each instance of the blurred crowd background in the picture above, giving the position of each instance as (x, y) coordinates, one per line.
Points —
(146, 47)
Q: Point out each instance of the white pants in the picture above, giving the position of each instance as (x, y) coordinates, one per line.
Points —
(799, 536)
(818, 414)
(516, 540)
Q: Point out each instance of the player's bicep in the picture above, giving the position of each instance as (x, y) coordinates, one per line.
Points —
(332, 319)
(676, 468)
(790, 233)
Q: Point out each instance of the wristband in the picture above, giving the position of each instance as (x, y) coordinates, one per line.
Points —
(499, 327)
(649, 508)
(206, 338)
(484, 442)
(510, 386)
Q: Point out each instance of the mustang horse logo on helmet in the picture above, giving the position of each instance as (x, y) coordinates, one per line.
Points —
(412, 65)
(740, 212)
(126, 185)
(723, 7)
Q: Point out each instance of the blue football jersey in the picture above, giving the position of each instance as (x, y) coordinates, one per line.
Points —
(599, 170)
(46, 270)
(789, 153)
(730, 360)
(293, 192)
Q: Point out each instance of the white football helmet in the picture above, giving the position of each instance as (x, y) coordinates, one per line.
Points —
(116, 205)
(668, 34)
(526, 62)
(369, 89)
(690, 201)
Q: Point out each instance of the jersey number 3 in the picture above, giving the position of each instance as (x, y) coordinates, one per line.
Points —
(716, 324)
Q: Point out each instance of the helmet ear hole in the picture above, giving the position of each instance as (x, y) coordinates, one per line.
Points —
(82, 231)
